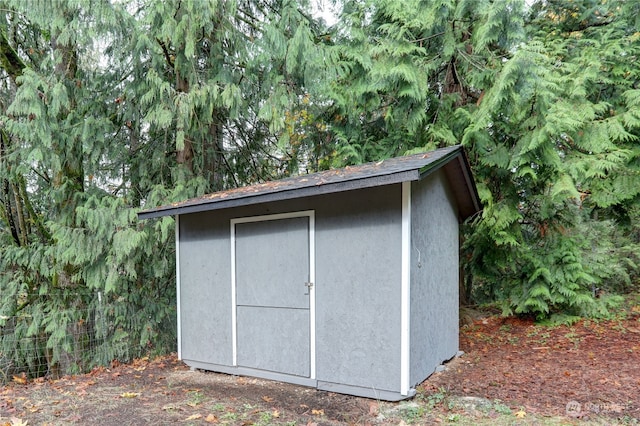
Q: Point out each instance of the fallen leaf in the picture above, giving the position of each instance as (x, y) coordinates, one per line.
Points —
(18, 422)
(276, 413)
(22, 379)
(521, 414)
(33, 408)
(130, 395)
(267, 399)
(317, 412)
(193, 417)
(211, 419)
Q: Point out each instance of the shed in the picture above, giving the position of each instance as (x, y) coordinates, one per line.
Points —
(344, 280)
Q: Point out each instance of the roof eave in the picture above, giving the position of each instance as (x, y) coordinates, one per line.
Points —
(329, 188)
(458, 173)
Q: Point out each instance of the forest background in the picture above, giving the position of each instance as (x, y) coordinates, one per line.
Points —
(109, 107)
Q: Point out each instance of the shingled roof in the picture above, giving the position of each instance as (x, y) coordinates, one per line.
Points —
(386, 172)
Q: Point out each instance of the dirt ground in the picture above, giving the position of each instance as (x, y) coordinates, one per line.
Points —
(590, 369)
(585, 369)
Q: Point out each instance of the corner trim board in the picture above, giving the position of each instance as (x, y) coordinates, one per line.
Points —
(405, 296)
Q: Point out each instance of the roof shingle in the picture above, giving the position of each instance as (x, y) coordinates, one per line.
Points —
(393, 170)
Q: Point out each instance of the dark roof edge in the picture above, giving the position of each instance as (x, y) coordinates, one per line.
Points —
(387, 179)
(463, 185)
(432, 167)
(471, 183)
(465, 169)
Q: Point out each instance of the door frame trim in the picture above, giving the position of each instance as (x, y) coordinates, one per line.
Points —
(312, 278)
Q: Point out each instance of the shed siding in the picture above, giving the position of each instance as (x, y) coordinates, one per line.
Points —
(434, 276)
(358, 270)
(205, 289)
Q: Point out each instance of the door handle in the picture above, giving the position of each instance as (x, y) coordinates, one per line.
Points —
(309, 285)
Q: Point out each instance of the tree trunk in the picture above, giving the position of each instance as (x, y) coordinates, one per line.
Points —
(70, 178)
(212, 153)
(6, 193)
(184, 156)
(9, 59)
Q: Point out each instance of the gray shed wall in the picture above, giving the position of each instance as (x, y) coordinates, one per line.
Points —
(434, 276)
(358, 270)
(358, 242)
(205, 289)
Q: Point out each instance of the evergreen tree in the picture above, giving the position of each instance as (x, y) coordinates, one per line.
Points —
(108, 107)
(526, 98)
(560, 129)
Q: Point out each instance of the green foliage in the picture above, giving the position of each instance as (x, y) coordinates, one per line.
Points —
(109, 107)
(546, 106)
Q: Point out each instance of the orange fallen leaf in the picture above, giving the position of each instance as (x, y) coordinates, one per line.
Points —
(521, 414)
(267, 399)
(22, 379)
(211, 419)
(193, 417)
(317, 412)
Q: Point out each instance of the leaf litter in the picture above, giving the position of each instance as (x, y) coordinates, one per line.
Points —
(578, 371)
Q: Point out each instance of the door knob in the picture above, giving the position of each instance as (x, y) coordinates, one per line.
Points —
(308, 285)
